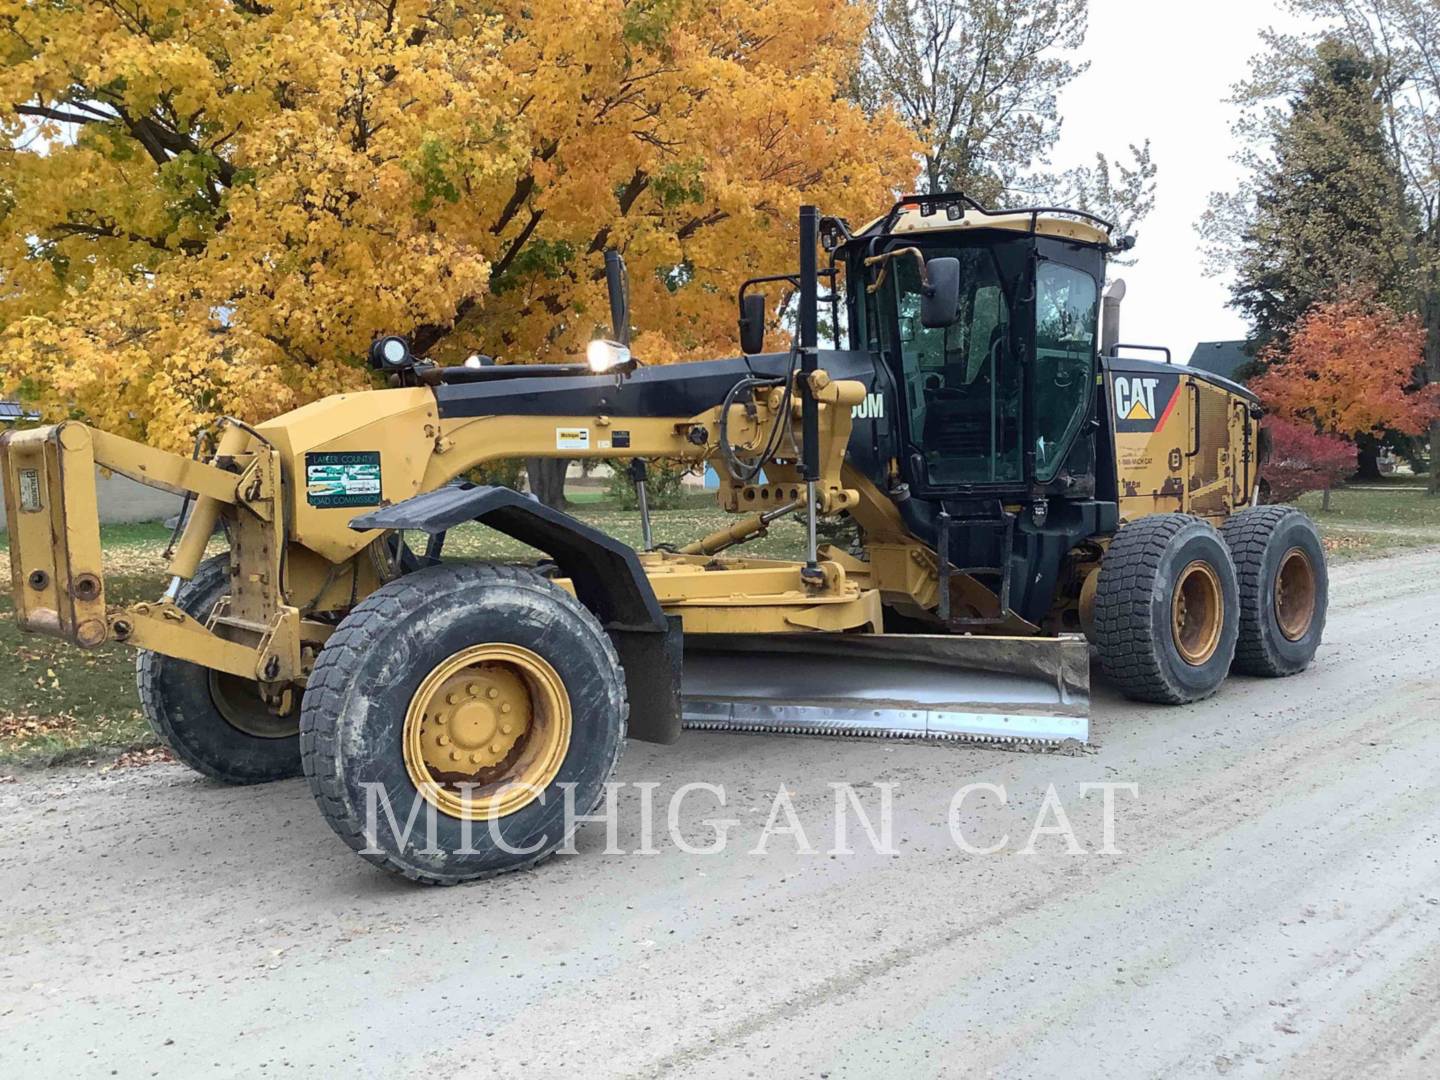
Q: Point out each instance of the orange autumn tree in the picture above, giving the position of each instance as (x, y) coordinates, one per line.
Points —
(1349, 369)
(214, 206)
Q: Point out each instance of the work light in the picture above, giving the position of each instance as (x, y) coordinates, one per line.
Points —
(390, 354)
(604, 355)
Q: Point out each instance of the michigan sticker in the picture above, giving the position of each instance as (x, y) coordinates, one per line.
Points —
(350, 478)
(572, 438)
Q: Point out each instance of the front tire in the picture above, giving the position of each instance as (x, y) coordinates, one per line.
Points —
(214, 722)
(1284, 589)
(469, 701)
(1167, 609)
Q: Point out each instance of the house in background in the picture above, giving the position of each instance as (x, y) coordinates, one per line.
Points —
(12, 412)
(1223, 358)
(118, 498)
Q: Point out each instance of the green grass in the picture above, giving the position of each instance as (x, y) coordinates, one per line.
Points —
(585, 498)
(1367, 523)
(58, 701)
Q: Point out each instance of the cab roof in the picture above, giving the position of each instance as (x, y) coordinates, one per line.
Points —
(956, 212)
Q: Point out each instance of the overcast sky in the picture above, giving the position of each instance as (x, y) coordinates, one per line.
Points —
(1162, 69)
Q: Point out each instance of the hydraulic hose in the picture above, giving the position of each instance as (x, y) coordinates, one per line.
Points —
(740, 471)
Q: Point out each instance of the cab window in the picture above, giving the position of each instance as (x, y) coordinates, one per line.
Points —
(1065, 326)
(962, 383)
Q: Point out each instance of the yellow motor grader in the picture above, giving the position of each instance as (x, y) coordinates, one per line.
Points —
(1023, 492)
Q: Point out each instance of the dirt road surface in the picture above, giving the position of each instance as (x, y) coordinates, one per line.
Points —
(1274, 910)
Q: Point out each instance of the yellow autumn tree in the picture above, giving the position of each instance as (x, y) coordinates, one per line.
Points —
(214, 206)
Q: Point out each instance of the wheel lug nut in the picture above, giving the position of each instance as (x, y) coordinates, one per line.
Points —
(454, 755)
(474, 689)
(443, 739)
(507, 707)
(492, 693)
(506, 729)
(453, 699)
(495, 748)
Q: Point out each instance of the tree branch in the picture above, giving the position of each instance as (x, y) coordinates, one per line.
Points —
(502, 264)
(694, 225)
(638, 182)
(111, 231)
(524, 187)
(55, 114)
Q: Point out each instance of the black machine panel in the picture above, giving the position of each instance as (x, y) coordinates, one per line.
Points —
(679, 390)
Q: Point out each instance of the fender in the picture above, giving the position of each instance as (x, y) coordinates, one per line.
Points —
(605, 572)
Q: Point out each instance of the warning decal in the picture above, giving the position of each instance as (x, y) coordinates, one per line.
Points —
(29, 491)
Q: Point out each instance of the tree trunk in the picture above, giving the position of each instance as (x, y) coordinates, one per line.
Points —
(546, 477)
(1430, 312)
(1432, 372)
(1325, 500)
(1434, 487)
(1367, 459)
(932, 173)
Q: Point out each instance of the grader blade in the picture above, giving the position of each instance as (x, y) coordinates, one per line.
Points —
(1032, 691)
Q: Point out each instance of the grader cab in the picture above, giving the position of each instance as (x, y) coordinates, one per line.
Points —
(1022, 493)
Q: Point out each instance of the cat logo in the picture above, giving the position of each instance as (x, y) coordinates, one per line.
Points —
(1135, 397)
(872, 408)
(1144, 402)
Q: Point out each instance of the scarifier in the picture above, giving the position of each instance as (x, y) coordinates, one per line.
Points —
(1022, 490)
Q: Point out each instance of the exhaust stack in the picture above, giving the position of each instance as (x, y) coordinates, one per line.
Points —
(1110, 316)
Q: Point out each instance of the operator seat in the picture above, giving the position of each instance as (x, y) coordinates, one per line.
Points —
(958, 416)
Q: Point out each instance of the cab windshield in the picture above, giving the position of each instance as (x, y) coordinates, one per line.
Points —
(965, 383)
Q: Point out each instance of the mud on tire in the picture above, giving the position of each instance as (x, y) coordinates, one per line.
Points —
(1166, 609)
(355, 738)
(1284, 589)
(196, 711)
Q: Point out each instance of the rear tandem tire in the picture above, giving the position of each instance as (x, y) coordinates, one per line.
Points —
(468, 700)
(1167, 609)
(187, 705)
(1284, 589)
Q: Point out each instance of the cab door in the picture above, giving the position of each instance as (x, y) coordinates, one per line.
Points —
(1212, 479)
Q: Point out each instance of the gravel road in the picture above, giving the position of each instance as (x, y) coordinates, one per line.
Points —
(1273, 908)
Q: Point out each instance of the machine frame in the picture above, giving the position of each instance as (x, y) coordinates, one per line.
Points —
(941, 560)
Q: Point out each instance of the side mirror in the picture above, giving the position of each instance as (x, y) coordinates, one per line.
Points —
(940, 299)
(617, 284)
(752, 320)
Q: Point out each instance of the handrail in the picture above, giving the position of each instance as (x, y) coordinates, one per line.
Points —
(929, 203)
(1115, 350)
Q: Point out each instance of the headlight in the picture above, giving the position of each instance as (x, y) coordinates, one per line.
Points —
(604, 355)
(391, 354)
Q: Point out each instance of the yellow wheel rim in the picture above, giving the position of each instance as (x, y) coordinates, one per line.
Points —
(238, 701)
(1197, 612)
(486, 731)
(1295, 594)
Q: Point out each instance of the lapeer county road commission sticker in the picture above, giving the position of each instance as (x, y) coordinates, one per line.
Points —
(347, 478)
